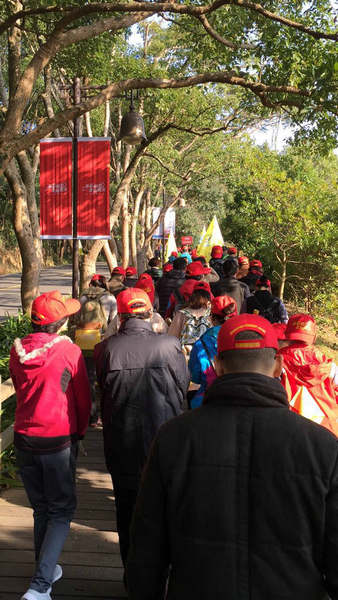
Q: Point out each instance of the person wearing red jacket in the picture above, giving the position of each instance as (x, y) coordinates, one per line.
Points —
(53, 408)
(310, 379)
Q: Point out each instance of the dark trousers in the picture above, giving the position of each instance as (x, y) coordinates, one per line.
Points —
(125, 500)
(49, 481)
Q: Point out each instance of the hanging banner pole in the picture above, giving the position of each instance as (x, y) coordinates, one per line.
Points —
(76, 123)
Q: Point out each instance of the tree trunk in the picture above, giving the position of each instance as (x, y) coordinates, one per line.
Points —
(88, 264)
(133, 230)
(31, 263)
(28, 178)
(283, 275)
(109, 256)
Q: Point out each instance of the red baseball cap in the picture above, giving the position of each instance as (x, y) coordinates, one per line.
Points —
(168, 267)
(131, 271)
(133, 301)
(174, 254)
(280, 330)
(203, 285)
(263, 283)
(145, 282)
(220, 303)
(187, 288)
(232, 327)
(96, 277)
(256, 263)
(118, 271)
(301, 327)
(51, 307)
(196, 268)
(217, 252)
(232, 250)
(243, 260)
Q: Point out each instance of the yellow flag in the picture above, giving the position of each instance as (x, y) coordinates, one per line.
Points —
(213, 237)
(203, 232)
(170, 246)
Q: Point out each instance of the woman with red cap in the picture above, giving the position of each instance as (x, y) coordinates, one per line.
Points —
(310, 379)
(191, 322)
(203, 352)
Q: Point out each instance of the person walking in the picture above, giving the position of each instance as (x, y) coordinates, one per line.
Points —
(144, 379)
(265, 304)
(230, 286)
(52, 413)
(239, 497)
(170, 281)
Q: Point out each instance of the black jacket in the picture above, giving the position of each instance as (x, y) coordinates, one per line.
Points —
(144, 379)
(250, 279)
(166, 285)
(268, 306)
(217, 265)
(233, 287)
(240, 497)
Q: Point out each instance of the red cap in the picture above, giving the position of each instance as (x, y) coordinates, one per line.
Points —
(196, 268)
(133, 301)
(131, 271)
(280, 330)
(174, 254)
(263, 283)
(301, 327)
(96, 277)
(118, 271)
(256, 263)
(220, 303)
(168, 267)
(231, 328)
(187, 288)
(194, 253)
(203, 285)
(217, 252)
(232, 250)
(243, 260)
(51, 307)
(145, 282)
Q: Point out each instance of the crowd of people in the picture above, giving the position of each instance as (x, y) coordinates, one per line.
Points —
(201, 383)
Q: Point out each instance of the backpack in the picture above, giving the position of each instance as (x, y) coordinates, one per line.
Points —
(193, 327)
(92, 310)
(270, 313)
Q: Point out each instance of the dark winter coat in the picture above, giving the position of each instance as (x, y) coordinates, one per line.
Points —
(217, 265)
(144, 379)
(231, 286)
(166, 286)
(240, 497)
(268, 306)
(251, 278)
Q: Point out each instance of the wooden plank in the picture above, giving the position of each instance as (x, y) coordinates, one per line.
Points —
(73, 587)
(6, 390)
(80, 572)
(67, 559)
(79, 540)
(6, 437)
(26, 521)
(25, 512)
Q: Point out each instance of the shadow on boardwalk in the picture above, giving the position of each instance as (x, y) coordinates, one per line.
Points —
(91, 562)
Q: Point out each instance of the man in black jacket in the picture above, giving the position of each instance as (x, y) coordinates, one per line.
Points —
(229, 285)
(240, 496)
(144, 379)
(169, 283)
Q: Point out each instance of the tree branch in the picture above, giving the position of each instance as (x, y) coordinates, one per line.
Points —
(219, 38)
(165, 166)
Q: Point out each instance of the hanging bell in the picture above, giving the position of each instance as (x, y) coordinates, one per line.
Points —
(132, 128)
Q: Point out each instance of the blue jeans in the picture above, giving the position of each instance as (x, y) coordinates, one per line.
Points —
(49, 481)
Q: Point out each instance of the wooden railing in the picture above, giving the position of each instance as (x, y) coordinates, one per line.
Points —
(6, 437)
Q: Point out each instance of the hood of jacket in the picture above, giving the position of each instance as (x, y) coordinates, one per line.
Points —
(247, 389)
(307, 364)
(36, 349)
(264, 297)
(174, 274)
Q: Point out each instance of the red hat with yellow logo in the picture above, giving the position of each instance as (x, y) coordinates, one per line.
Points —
(301, 327)
(227, 337)
(133, 301)
(51, 307)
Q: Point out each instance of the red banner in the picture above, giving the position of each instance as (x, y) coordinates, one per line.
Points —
(186, 240)
(56, 188)
(93, 188)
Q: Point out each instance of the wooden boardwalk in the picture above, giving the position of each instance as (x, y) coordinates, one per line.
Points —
(91, 563)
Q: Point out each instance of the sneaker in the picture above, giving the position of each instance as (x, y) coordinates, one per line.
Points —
(34, 595)
(57, 573)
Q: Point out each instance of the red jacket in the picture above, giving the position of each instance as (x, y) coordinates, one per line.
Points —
(52, 388)
(308, 378)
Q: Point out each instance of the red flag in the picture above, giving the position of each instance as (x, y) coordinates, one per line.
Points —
(93, 188)
(56, 188)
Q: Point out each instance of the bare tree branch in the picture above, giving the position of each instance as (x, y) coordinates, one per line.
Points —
(165, 166)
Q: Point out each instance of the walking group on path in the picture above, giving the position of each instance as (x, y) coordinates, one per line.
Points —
(223, 489)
